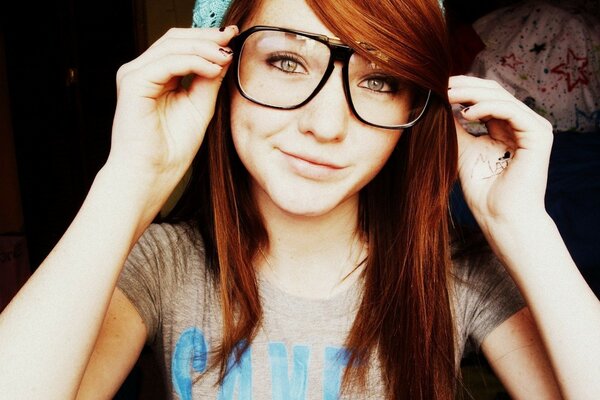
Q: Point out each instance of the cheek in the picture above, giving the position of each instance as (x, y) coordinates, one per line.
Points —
(254, 130)
(244, 121)
(250, 122)
(377, 151)
(239, 124)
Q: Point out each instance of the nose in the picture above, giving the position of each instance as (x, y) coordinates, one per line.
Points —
(327, 114)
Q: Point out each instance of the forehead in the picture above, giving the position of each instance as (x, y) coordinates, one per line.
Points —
(292, 14)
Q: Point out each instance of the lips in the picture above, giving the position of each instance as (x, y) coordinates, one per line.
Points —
(311, 167)
(317, 161)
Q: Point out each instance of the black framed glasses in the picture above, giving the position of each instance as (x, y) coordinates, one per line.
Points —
(285, 69)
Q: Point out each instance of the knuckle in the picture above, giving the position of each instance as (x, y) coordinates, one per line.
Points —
(197, 47)
(547, 124)
(121, 72)
(124, 74)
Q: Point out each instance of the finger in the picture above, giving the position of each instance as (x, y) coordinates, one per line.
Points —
(195, 38)
(464, 137)
(472, 81)
(468, 90)
(206, 49)
(482, 95)
(521, 130)
(468, 96)
(221, 36)
(202, 89)
(500, 130)
(153, 80)
(475, 94)
(507, 110)
(504, 139)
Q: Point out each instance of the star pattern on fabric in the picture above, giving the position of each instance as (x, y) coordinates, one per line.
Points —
(538, 48)
(511, 61)
(574, 70)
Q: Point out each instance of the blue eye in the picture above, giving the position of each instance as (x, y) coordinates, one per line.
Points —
(380, 84)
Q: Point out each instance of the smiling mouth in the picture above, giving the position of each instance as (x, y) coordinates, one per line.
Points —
(310, 167)
(312, 160)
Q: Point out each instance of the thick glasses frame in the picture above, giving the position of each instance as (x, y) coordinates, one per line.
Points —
(338, 52)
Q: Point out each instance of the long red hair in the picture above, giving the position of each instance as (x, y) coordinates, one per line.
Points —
(405, 317)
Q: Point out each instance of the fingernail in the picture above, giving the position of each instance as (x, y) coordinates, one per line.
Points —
(222, 29)
(225, 52)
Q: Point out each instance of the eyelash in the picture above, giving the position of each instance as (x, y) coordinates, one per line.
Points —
(273, 59)
(284, 56)
(387, 80)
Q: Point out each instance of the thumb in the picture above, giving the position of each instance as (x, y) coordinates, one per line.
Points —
(203, 92)
(464, 137)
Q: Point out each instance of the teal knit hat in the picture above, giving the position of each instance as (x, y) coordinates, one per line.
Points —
(210, 13)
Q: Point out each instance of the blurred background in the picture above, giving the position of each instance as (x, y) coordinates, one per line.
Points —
(58, 62)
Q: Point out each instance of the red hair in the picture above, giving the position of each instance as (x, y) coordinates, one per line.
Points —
(405, 315)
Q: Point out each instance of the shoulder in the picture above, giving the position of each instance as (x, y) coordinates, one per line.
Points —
(163, 235)
(165, 269)
(483, 293)
(474, 264)
(165, 256)
(166, 244)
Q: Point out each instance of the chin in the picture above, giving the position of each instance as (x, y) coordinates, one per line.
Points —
(305, 210)
(316, 203)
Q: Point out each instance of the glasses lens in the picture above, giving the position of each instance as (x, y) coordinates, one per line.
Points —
(380, 98)
(281, 69)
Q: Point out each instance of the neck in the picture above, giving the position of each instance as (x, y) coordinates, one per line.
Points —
(312, 256)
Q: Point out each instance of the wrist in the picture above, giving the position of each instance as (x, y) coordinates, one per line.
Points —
(519, 224)
(522, 240)
(136, 197)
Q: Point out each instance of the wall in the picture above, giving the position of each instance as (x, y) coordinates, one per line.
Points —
(11, 216)
(164, 14)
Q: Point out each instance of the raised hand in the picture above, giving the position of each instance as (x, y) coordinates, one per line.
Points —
(160, 123)
(503, 174)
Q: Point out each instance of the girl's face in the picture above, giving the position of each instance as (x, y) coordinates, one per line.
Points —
(314, 159)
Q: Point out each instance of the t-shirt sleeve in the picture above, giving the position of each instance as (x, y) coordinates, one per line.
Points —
(140, 278)
(487, 296)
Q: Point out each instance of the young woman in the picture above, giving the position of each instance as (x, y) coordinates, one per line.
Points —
(314, 260)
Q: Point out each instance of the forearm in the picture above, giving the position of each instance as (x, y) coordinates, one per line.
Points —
(48, 331)
(565, 309)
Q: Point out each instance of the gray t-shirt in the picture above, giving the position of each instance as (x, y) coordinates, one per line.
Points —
(298, 352)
